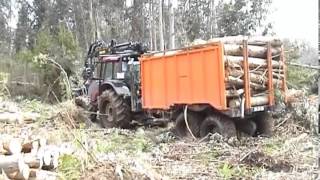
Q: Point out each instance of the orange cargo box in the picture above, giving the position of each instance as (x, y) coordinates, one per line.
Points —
(186, 76)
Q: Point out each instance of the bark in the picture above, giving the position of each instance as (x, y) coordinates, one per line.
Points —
(253, 62)
(14, 146)
(253, 51)
(151, 24)
(255, 101)
(171, 24)
(234, 93)
(161, 25)
(155, 42)
(11, 118)
(14, 167)
(258, 40)
(255, 77)
(238, 82)
(42, 174)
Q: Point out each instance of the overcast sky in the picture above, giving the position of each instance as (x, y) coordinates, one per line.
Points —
(296, 19)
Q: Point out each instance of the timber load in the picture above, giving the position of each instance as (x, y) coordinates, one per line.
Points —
(265, 69)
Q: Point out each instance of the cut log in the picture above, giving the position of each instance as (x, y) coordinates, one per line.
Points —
(255, 101)
(234, 93)
(253, 51)
(14, 167)
(12, 161)
(258, 40)
(256, 78)
(11, 118)
(237, 82)
(42, 175)
(50, 156)
(13, 146)
(253, 62)
(31, 147)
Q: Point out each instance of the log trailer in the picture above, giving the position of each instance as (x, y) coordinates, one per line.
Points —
(212, 87)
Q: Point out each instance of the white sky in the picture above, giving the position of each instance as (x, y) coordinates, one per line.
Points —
(296, 19)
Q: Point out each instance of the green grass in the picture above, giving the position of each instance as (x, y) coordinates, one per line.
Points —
(116, 142)
(227, 171)
(69, 167)
(206, 157)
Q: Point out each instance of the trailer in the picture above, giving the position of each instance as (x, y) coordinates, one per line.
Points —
(195, 79)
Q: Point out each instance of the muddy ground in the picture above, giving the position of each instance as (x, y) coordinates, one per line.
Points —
(155, 153)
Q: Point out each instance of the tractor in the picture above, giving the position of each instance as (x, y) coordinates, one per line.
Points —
(112, 81)
(127, 84)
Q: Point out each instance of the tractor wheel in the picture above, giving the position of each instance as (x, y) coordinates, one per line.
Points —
(264, 123)
(218, 124)
(113, 111)
(247, 126)
(194, 121)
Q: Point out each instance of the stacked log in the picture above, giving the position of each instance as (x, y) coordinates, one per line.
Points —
(258, 71)
(28, 160)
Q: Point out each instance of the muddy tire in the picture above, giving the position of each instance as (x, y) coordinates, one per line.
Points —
(265, 124)
(218, 124)
(194, 121)
(247, 126)
(113, 110)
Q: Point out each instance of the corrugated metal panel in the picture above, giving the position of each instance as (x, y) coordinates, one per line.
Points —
(193, 76)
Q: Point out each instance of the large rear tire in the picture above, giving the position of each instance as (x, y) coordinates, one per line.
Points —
(113, 110)
(218, 124)
(265, 124)
(194, 120)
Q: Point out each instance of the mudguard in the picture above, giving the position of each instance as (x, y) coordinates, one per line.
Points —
(118, 86)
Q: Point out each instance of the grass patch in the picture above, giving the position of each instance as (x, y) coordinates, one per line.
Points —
(116, 142)
(206, 157)
(227, 171)
(69, 167)
(272, 147)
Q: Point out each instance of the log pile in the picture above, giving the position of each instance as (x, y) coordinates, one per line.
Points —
(20, 159)
(11, 114)
(258, 72)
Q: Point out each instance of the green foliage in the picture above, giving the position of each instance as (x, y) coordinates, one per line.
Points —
(69, 167)
(241, 17)
(301, 78)
(226, 171)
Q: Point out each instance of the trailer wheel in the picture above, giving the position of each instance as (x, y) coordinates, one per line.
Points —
(218, 124)
(247, 126)
(264, 123)
(114, 112)
(194, 121)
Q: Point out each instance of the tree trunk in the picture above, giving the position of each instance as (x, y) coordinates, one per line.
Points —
(171, 29)
(212, 19)
(161, 25)
(151, 23)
